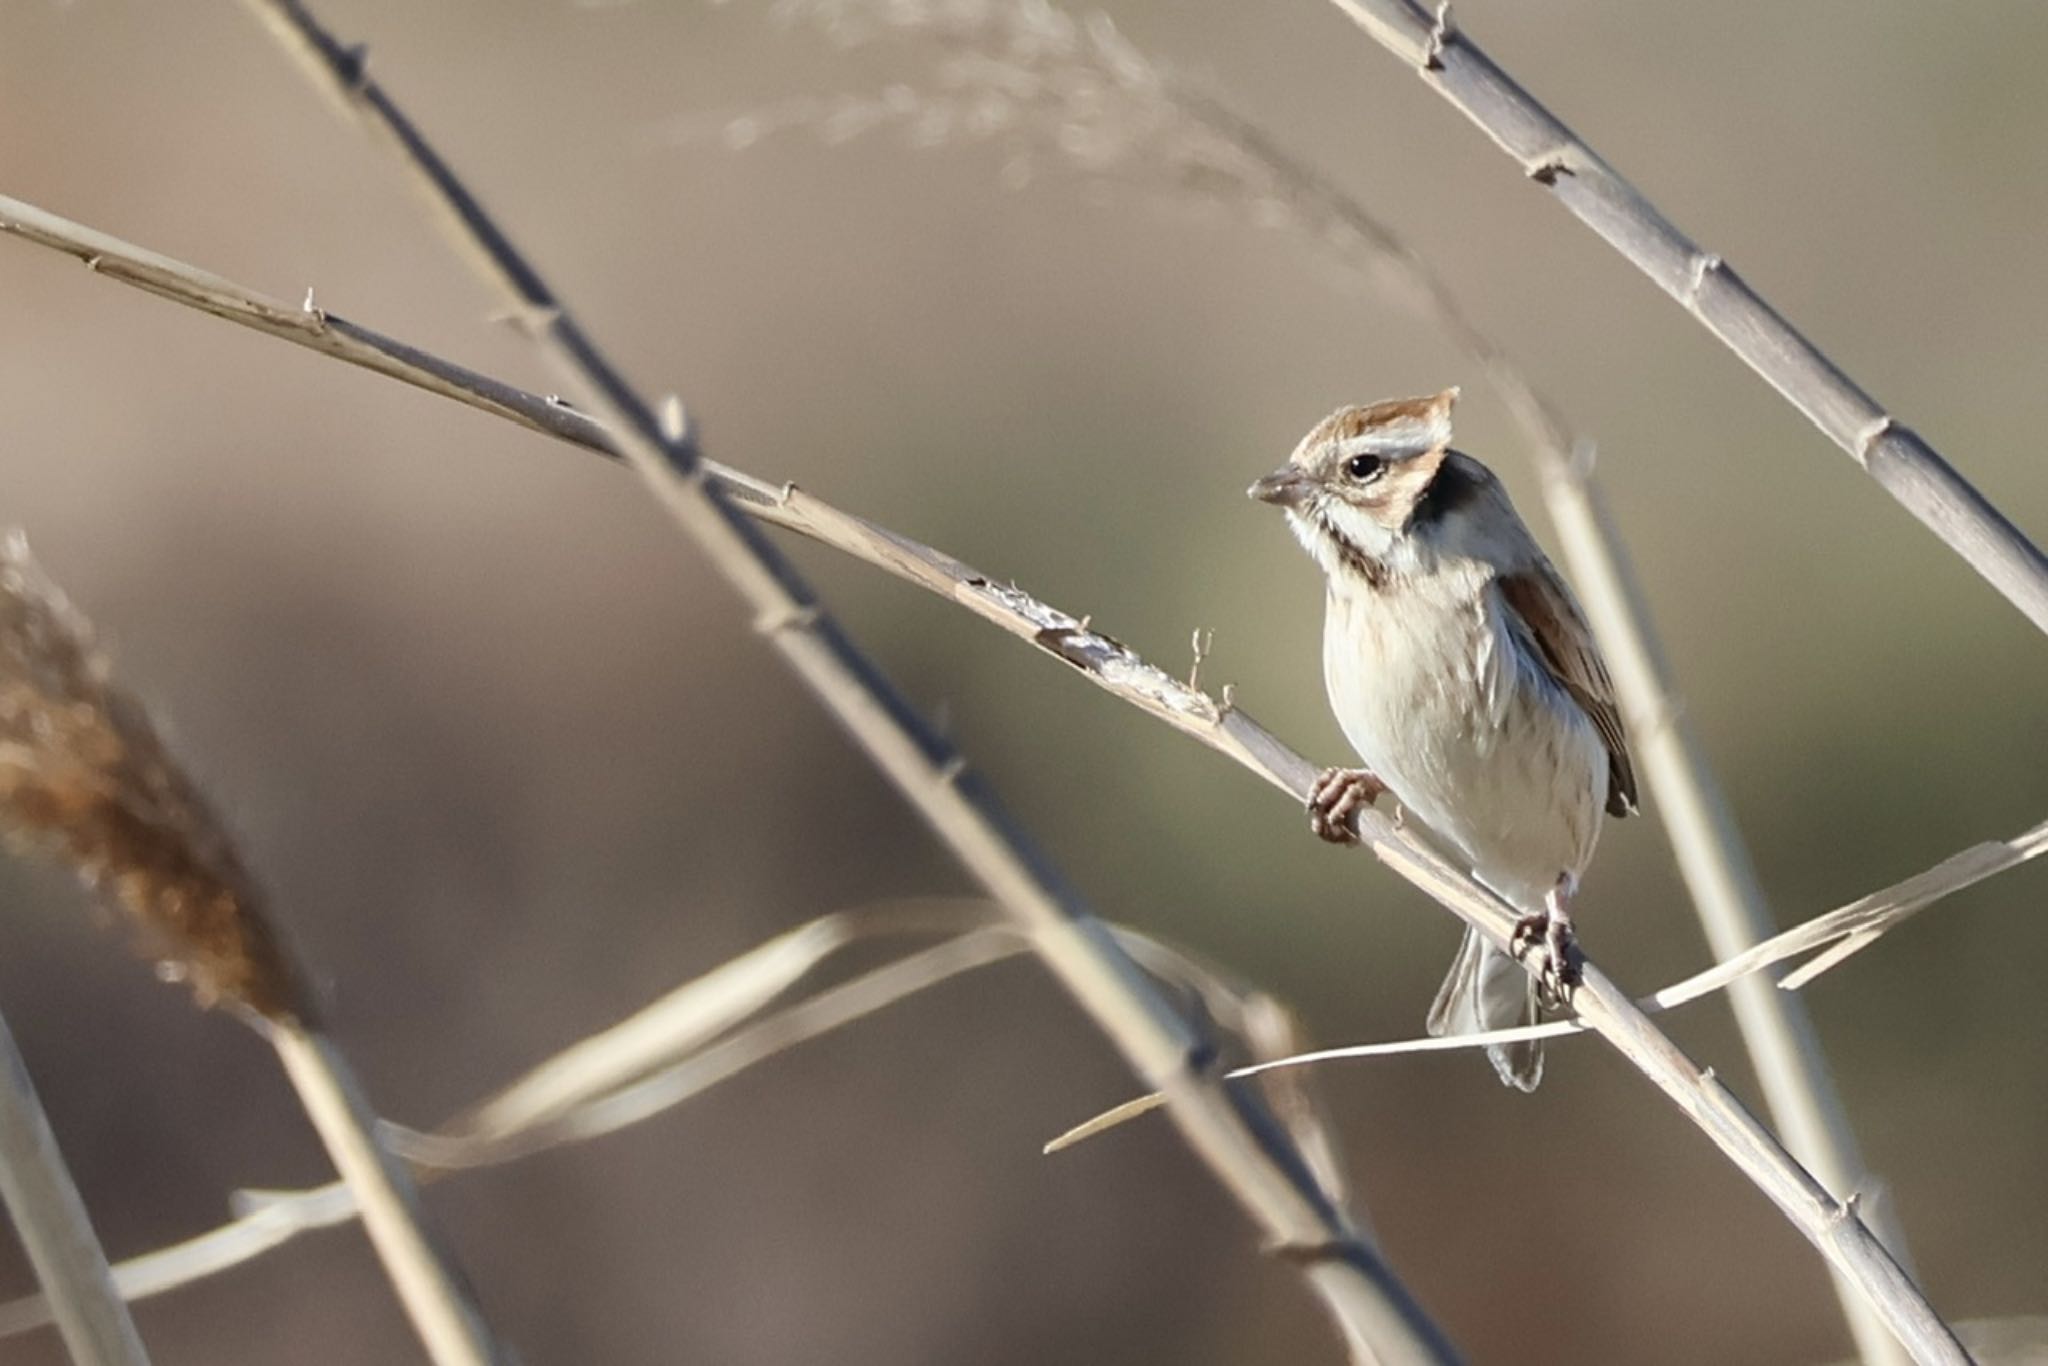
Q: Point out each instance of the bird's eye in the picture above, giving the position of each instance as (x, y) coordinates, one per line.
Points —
(1362, 467)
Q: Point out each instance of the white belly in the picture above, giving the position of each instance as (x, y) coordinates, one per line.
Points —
(1445, 707)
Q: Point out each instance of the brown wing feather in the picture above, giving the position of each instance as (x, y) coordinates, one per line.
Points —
(1540, 598)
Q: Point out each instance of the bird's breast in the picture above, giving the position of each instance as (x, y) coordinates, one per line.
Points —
(1436, 695)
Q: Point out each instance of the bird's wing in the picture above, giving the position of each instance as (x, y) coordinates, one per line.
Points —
(1539, 597)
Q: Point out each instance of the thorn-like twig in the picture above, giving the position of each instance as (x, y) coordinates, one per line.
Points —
(1202, 640)
(675, 419)
(1440, 30)
(1703, 265)
(1873, 432)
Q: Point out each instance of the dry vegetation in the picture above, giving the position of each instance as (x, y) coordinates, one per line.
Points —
(85, 778)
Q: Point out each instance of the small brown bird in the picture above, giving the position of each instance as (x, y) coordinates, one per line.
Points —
(1464, 674)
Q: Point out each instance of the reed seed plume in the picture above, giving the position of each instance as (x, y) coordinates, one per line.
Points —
(86, 781)
(1052, 89)
(1056, 91)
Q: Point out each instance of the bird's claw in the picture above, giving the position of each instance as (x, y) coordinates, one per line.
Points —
(1337, 795)
(1546, 939)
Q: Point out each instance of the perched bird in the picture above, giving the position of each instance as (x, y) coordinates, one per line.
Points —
(1465, 676)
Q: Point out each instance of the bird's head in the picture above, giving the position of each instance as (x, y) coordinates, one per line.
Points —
(1366, 479)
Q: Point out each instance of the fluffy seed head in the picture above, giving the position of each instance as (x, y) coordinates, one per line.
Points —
(86, 780)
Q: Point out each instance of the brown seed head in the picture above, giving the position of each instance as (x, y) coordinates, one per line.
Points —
(85, 779)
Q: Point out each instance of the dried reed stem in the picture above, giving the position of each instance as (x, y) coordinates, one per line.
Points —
(1239, 1139)
(54, 1228)
(442, 1305)
(1551, 155)
(437, 1297)
(85, 778)
(1832, 1226)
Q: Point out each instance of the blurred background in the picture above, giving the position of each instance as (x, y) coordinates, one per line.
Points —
(513, 763)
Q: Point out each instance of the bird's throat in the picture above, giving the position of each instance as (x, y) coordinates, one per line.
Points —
(1351, 558)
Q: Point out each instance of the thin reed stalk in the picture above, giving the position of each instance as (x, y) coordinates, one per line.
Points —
(442, 1306)
(55, 1231)
(1833, 1226)
(1703, 283)
(1713, 859)
(1242, 1143)
(86, 779)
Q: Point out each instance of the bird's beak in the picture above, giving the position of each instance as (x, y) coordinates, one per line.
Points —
(1285, 487)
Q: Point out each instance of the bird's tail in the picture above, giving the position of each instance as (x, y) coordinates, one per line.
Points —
(1485, 990)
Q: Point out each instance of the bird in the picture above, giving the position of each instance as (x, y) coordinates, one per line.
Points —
(1462, 671)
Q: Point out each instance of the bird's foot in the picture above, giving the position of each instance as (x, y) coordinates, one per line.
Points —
(1546, 938)
(1338, 794)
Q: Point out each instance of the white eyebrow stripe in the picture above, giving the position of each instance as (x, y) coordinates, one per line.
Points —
(1407, 436)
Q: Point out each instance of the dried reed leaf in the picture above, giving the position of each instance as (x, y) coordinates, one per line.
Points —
(678, 1047)
(86, 781)
(686, 1021)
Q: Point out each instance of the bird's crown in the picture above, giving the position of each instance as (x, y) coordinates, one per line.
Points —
(1392, 429)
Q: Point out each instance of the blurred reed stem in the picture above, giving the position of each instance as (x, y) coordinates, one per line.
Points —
(1776, 1029)
(440, 1303)
(1551, 155)
(51, 1221)
(1240, 1140)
